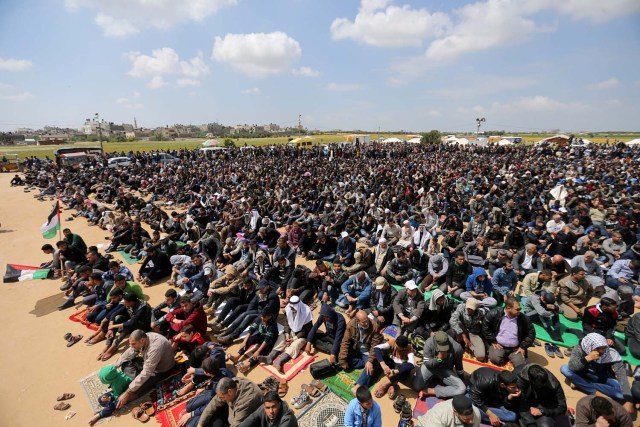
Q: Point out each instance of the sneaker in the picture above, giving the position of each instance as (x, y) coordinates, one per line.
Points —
(399, 403)
(66, 286)
(557, 351)
(303, 400)
(68, 303)
(548, 348)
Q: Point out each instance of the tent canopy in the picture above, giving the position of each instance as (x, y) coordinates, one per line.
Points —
(211, 143)
(392, 140)
(633, 143)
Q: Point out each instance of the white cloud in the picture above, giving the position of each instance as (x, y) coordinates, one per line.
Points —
(132, 103)
(120, 18)
(380, 23)
(306, 72)
(187, 82)
(257, 54)
(10, 64)
(113, 27)
(252, 91)
(166, 62)
(157, 82)
(605, 84)
(11, 93)
(342, 87)
(597, 11)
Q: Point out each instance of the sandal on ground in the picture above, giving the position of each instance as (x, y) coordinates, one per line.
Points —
(392, 392)
(74, 340)
(68, 336)
(311, 390)
(243, 367)
(62, 406)
(148, 408)
(399, 403)
(65, 396)
(139, 414)
(322, 387)
(283, 388)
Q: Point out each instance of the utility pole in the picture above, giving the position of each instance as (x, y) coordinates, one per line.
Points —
(478, 123)
(299, 125)
(100, 132)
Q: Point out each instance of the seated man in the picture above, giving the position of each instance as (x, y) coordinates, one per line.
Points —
(496, 394)
(239, 301)
(328, 282)
(466, 327)
(79, 287)
(602, 318)
(329, 341)
(299, 321)
(120, 282)
(132, 314)
(535, 283)
(479, 287)
(356, 292)
(398, 270)
(574, 293)
(442, 358)
(357, 347)
(527, 261)
(437, 273)
(346, 249)
(455, 412)
(263, 333)
(623, 272)
(363, 411)
(156, 266)
(601, 411)
(544, 310)
(436, 315)
(381, 303)
(408, 306)
(504, 282)
(235, 400)
(148, 360)
(591, 366)
(546, 404)
(115, 268)
(457, 275)
(274, 413)
(103, 312)
(396, 361)
(159, 322)
(97, 298)
(236, 323)
(592, 269)
(508, 333)
(189, 313)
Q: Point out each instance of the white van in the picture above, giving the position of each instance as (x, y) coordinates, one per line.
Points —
(117, 162)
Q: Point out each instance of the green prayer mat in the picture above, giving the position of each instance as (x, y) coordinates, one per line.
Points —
(342, 383)
(179, 243)
(569, 339)
(128, 258)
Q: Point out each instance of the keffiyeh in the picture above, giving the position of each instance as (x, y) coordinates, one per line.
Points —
(593, 341)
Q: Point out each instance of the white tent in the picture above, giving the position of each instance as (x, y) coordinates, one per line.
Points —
(392, 140)
(633, 143)
(505, 142)
(416, 140)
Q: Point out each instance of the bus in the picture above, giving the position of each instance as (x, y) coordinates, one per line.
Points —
(75, 156)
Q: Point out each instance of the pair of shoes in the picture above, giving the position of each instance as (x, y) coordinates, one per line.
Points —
(301, 400)
(407, 412)
(399, 403)
(68, 303)
(269, 384)
(66, 286)
(553, 350)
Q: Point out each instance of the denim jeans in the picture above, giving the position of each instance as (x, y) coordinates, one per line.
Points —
(590, 381)
(405, 369)
(501, 412)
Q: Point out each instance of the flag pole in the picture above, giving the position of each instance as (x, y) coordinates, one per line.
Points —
(60, 238)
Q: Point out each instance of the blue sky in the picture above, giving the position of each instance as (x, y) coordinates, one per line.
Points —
(342, 64)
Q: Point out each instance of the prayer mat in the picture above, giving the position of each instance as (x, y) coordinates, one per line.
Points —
(327, 410)
(291, 368)
(470, 359)
(128, 258)
(170, 416)
(423, 406)
(164, 394)
(81, 317)
(568, 339)
(93, 388)
(342, 383)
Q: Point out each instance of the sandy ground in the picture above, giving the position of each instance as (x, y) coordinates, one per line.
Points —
(36, 364)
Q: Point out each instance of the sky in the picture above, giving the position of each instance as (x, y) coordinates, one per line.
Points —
(409, 65)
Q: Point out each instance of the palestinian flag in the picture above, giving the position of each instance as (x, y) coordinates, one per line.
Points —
(19, 273)
(52, 226)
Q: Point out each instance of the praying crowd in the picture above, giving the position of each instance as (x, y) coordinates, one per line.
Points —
(400, 261)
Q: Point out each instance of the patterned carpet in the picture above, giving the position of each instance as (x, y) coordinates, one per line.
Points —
(81, 317)
(325, 411)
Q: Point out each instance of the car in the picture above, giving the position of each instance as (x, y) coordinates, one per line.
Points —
(116, 162)
(164, 158)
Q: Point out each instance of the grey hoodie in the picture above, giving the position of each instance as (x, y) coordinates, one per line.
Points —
(259, 418)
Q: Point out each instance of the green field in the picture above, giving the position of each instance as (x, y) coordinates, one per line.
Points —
(191, 143)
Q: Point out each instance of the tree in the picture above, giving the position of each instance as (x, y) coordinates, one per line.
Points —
(228, 142)
(433, 137)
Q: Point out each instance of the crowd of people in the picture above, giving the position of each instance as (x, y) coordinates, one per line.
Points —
(271, 245)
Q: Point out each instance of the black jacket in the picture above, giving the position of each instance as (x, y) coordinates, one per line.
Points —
(491, 326)
(484, 389)
(550, 399)
(388, 298)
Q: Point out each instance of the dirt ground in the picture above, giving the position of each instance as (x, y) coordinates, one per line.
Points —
(36, 364)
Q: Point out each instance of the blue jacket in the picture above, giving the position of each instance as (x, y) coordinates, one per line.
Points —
(503, 279)
(335, 330)
(362, 292)
(353, 415)
(473, 284)
(346, 249)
